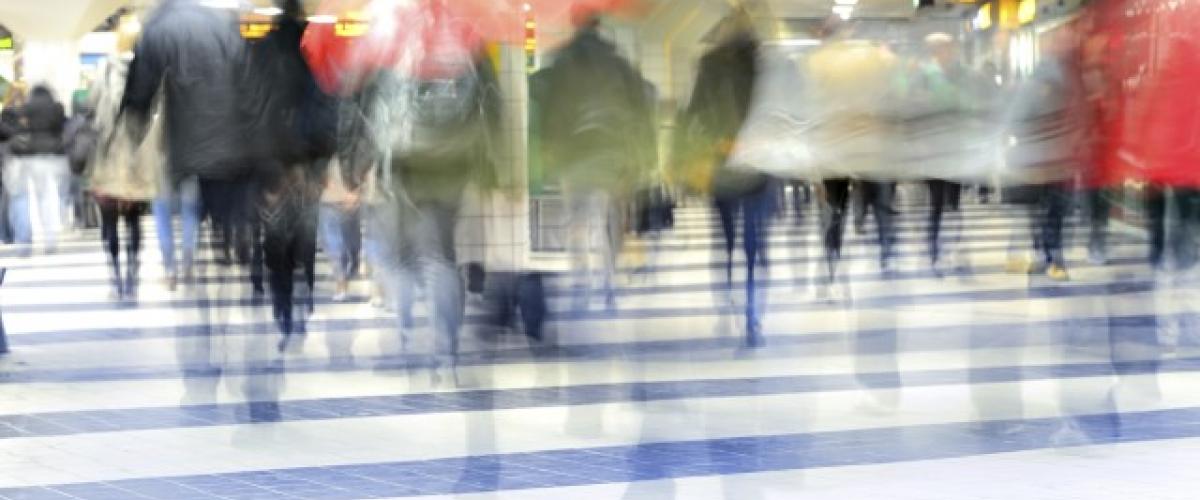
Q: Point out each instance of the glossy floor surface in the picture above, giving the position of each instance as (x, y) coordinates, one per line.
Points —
(975, 384)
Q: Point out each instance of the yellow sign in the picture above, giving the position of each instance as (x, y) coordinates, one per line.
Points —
(1026, 11)
(255, 31)
(6, 43)
(351, 28)
(983, 18)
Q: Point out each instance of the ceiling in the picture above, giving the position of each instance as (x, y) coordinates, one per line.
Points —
(55, 19)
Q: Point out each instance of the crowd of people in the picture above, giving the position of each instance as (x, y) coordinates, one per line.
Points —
(193, 123)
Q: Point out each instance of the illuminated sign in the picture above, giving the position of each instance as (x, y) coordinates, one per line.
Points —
(6, 43)
(530, 45)
(983, 18)
(350, 28)
(254, 31)
(1026, 11)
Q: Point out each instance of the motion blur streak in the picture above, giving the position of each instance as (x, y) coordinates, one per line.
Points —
(609, 248)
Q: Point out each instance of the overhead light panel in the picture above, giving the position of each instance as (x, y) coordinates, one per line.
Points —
(843, 11)
(268, 11)
(221, 4)
(323, 19)
(795, 42)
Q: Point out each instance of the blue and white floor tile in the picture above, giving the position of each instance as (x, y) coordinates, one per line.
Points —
(973, 385)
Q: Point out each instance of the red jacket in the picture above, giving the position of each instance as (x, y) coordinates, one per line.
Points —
(1167, 123)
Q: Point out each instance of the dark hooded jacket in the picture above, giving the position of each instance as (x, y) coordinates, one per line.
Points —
(288, 118)
(720, 104)
(194, 54)
(41, 121)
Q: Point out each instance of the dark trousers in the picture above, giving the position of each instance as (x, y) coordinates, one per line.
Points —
(283, 251)
(1099, 207)
(229, 205)
(1047, 221)
(876, 195)
(755, 209)
(943, 196)
(111, 211)
(288, 223)
(1183, 242)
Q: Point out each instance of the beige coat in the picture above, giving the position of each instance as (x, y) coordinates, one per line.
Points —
(119, 168)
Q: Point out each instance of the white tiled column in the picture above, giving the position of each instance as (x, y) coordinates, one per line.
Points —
(495, 225)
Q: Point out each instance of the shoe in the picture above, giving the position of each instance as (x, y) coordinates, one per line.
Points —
(171, 282)
(1057, 273)
(1097, 257)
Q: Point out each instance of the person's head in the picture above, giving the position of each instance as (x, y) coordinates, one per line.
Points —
(833, 27)
(41, 92)
(942, 48)
(737, 24)
(584, 17)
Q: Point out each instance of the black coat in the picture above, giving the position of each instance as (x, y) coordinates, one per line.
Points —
(720, 104)
(289, 119)
(41, 120)
(195, 54)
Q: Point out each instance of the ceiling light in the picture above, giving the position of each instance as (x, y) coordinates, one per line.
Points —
(846, 2)
(268, 11)
(323, 19)
(221, 4)
(843, 11)
(795, 42)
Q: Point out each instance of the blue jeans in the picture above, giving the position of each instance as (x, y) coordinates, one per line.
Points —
(45, 177)
(755, 209)
(338, 229)
(411, 246)
(184, 198)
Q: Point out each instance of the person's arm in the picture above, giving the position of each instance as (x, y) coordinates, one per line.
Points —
(145, 76)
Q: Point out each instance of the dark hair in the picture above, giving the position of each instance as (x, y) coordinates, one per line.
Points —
(41, 91)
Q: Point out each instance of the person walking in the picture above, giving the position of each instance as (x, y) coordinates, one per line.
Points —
(293, 126)
(597, 139)
(122, 175)
(1048, 122)
(719, 106)
(851, 82)
(39, 164)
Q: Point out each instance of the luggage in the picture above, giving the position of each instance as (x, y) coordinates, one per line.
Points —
(509, 294)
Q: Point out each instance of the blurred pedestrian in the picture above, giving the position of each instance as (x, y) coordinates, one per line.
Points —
(122, 175)
(719, 106)
(597, 138)
(39, 168)
(851, 82)
(1047, 121)
(192, 57)
(293, 126)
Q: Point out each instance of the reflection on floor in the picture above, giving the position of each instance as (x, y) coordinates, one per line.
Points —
(971, 384)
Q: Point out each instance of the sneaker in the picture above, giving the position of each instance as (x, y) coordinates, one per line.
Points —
(1057, 273)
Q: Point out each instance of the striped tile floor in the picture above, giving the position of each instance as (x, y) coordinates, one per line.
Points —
(969, 384)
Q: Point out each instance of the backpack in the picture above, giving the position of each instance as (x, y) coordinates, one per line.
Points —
(448, 118)
(79, 140)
